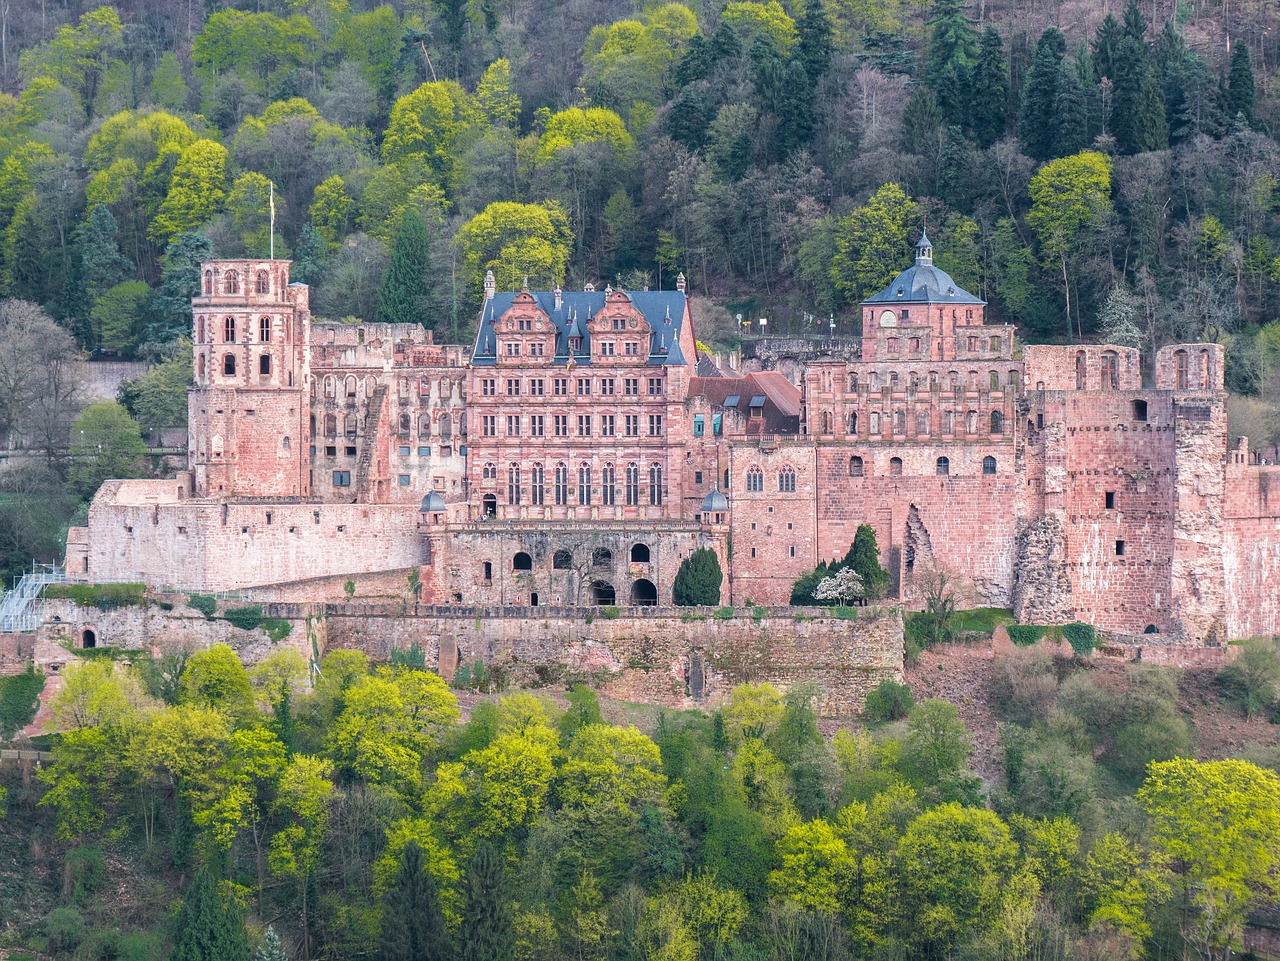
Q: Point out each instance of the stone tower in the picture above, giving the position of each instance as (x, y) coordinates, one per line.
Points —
(249, 412)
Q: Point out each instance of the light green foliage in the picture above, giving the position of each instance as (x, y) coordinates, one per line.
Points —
(393, 189)
(514, 241)
(77, 57)
(137, 136)
(768, 20)
(815, 868)
(97, 693)
(1120, 886)
(496, 96)
(872, 242)
(105, 443)
(576, 126)
(118, 316)
(610, 766)
(753, 711)
(430, 124)
(197, 192)
(249, 205)
(215, 678)
(168, 86)
(271, 47)
(628, 63)
(331, 211)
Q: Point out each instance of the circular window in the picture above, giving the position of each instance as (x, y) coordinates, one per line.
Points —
(888, 319)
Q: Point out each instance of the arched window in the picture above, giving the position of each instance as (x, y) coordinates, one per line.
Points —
(264, 365)
(229, 365)
(522, 561)
(489, 472)
(264, 330)
(971, 422)
(997, 422)
(855, 466)
(895, 466)
(349, 387)
(755, 480)
(853, 422)
(349, 425)
(995, 380)
(875, 423)
(633, 485)
(828, 423)
(1081, 369)
(1205, 373)
(446, 428)
(329, 386)
(584, 484)
(602, 558)
(229, 330)
(264, 283)
(562, 485)
(200, 329)
(406, 423)
(853, 381)
(208, 282)
(989, 466)
(943, 466)
(1110, 371)
(537, 485)
(330, 425)
(922, 423)
(640, 554)
(655, 485)
(787, 480)
(513, 485)
(231, 282)
(562, 560)
(899, 422)
(948, 421)
(1180, 369)
(200, 365)
(424, 426)
(608, 488)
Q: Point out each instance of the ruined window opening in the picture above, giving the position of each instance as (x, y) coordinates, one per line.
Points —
(490, 505)
(1140, 410)
(853, 422)
(640, 554)
(1081, 369)
(602, 558)
(229, 366)
(602, 594)
(855, 466)
(644, 593)
(522, 562)
(562, 561)
(1109, 500)
(231, 282)
(1120, 546)
(264, 365)
(895, 467)
(208, 282)
(1180, 370)
(487, 570)
(997, 422)
(88, 639)
(943, 466)
(264, 283)
(1110, 371)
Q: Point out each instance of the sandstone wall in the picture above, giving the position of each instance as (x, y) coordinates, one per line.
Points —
(1251, 550)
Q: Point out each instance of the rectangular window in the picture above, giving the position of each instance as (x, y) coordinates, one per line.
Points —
(792, 550)
(697, 425)
(490, 425)
(606, 348)
(513, 348)
(1120, 548)
(1110, 500)
(404, 480)
(536, 388)
(536, 349)
(632, 387)
(633, 425)
(342, 478)
(606, 386)
(350, 451)
(655, 425)
(330, 451)
(513, 425)
(536, 428)
(697, 478)
(584, 386)
(513, 387)
(560, 425)
(404, 451)
(655, 386)
(560, 386)
(488, 387)
(631, 348)
(606, 425)
(584, 425)
(424, 451)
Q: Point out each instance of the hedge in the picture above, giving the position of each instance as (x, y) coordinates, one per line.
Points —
(1081, 637)
(251, 618)
(206, 604)
(105, 597)
(1024, 635)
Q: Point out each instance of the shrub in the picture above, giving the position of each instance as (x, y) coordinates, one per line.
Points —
(698, 580)
(1254, 676)
(246, 618)
(87, 870)
(413, 657)
(462, 677)
(1024, 635)
(105, 597)
(19, 700)
(277, 628)
(611, 612)
(724, 613)
(206, 604)
(889, 702)
(65, 928)
(1081, 637)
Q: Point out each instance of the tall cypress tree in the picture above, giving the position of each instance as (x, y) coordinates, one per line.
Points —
(412, 919)
(1040, 97)
(402, 299)
(487, 932)
(990, 102)
(1240, 86)
(207, 927)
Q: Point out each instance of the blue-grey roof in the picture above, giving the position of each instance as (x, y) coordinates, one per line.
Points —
(433, 503)
(923, 283)
(663, 309)
(715, 501)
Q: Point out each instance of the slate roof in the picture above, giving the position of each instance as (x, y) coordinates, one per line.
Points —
(663, 309)
(923, 283)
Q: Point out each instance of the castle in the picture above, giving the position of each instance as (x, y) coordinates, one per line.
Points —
(582, 447)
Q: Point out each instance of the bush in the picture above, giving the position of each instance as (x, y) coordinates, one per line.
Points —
(65, 928)
(1254, 676)
(277, 628)
(87, 870)
(246, 618)
(889, 702)
(611, 612)
(413, 657)
(698, 580)
(19, 700)
(206, 604)
(1081, 637)
(105, 597)
(724, 613)
(1024, 635)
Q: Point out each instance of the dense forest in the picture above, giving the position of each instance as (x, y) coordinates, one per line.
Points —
(198, 811)
(1092, 172)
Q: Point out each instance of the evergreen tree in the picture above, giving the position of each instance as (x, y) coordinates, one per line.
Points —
(1071, 119)
(814, 48)
(990, 104)
(696, 64)
(487, 932)
(1040, 97)
(795, 111)
(698, 579)
(1137, 105)
(1106, 48)
(402, 298)
(309, 256)
(102, 266)
(272, 949)
(179, 282)
(921, 123)
(864, 558)
(412, 919)
(1240, 87)
(952, 42)
(207, 927)
(1135, 24)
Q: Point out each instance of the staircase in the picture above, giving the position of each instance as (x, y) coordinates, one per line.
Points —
(22, 608)
(364, 467)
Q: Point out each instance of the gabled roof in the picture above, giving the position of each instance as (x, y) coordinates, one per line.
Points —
(663, 310)
(778, 414)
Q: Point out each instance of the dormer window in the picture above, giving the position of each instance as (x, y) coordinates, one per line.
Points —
(575, 344)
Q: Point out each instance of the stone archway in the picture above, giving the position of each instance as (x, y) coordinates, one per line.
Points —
(644, 593)
(603, 594)
(88, 638)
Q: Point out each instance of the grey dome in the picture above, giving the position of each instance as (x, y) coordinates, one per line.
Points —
(715, 501)
(433, 503)
(923, 283)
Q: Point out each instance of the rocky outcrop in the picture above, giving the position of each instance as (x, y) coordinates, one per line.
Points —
(1042, 587)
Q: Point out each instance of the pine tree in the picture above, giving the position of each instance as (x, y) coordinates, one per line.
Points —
(179, 282)
(412, 919)
(814, 48)
(208, 928)
(1137, 107)
(795, 111)
(272, 949)
(1040, 97)
(309, 256)
(864, 558)
(102, 266)
(698, 580)
(402, 298)
(952, 42)
(1240, 86)
(1106, 47)
(990, 104)
(1071, 119)
(487, 932)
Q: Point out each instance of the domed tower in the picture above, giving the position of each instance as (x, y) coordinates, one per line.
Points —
(248, 415)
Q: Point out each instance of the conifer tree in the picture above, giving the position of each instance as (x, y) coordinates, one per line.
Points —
(795, 111)
(208, 928)
(1135, 24)
(1040, 97)
(487, 932)
(990, 104)
(412, 919)
(698, 579)
(272, 949)
(102, 266)
(864, 558)
(1106, 47)
(814, 47)
(1137, 106)
(922, 122)
(402, 298)
(179, 282)
(1240, 85)
(1071, 119)
(953, 52)
(309, 256)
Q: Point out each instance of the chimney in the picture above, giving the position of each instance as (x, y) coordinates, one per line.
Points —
(490, 285)
(680, 284)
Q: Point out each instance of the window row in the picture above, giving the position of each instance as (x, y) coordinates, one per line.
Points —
(879, 380)
(229, 365)
(229, 283)
(786, 480)
(942, 466)
(233, 333)
(896, 422)
(570, 386)
(571, 425)
(582, 487)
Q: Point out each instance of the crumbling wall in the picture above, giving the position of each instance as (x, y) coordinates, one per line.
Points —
(1042, 588)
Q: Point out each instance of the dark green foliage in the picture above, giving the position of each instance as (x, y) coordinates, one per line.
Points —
(889, 702)
(1253, 676)
(989, 107)
(698, 580)
(487, 932)
(1137, 107)
(413, 926)
(922, 123)
(208, 927)
(206, 604)
(1135, 24)
(65, 927)
(1081, 638)
(170, 315)
(583, 709)
(247, 618)
(953, 52)
(1024, 635)
(405, 292)
(814, 47)
(1106, 48)
(105, 597)
(310, 255)
(806, 584)
(87, 868)
(1240, 84)
(864, 558)
(19, 700)
(101, 264)
(1037, 123)
(412, 658)
(1071, 122)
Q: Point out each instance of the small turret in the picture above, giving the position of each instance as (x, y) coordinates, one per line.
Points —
(490, 285)
(924, 251)
(680, 283)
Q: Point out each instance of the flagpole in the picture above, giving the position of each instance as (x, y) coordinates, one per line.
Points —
(273, 219)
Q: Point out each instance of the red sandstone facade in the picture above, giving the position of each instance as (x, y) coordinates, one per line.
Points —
(581, 448)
